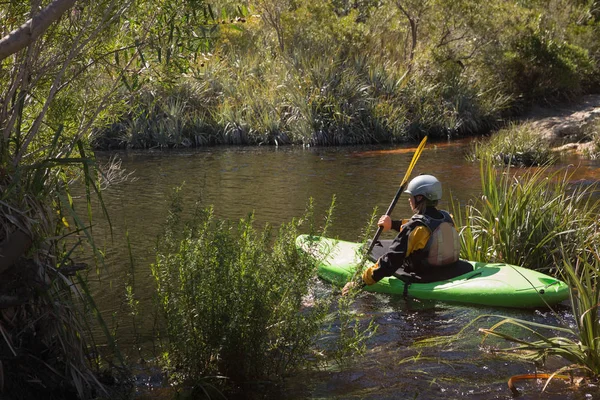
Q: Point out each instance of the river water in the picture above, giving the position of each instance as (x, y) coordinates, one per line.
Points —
(276, 184)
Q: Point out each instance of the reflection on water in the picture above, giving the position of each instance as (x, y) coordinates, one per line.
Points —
(275, 184)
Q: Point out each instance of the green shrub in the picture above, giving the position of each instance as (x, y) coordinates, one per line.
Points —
(545, 69)
(237, 302)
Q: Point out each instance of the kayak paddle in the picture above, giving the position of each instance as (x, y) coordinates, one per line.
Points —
(400, 190)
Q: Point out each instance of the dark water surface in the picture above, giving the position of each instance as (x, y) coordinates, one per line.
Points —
(276, 184)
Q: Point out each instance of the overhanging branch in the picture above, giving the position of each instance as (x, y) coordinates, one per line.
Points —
(33, 28)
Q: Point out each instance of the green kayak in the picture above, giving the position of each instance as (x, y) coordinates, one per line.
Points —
(490, 284)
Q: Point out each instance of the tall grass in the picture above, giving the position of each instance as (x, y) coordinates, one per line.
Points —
(177, 117)
(542, 221)
(333, 99)
(236, 302)
(46, 309)
(524, 217)
(578, 342)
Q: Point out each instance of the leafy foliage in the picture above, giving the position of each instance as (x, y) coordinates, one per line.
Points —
(544, 69)
(48, 104)
(237, 302)
(335, 72)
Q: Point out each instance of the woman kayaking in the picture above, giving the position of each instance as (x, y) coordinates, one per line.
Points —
(427, 246)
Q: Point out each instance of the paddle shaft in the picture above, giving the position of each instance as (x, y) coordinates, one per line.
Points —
(388, 212)
(399, 192)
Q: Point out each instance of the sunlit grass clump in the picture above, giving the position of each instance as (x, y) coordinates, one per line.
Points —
(524, 217)
(240, 303)
(518, 144)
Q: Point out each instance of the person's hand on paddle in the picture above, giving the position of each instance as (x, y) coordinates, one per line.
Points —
(385, 222)
(348, 287)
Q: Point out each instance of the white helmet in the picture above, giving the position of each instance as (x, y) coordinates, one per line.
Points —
(425, 185)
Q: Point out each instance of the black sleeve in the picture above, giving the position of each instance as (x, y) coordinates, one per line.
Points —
(397, 225)
(394, 258)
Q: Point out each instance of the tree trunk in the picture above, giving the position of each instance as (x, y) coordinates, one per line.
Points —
(32, 29)
(414, 26)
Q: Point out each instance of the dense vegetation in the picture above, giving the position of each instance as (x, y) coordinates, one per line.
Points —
(517, 144)
(343, 72)
(48, 104)
(167, 73)
(534, 217)
(538, 218)
(240, 303)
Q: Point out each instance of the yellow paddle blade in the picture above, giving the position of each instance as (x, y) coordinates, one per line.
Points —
(413, 162)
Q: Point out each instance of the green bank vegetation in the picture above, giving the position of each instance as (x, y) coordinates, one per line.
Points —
(532, 217)
(553, 227)
(49, 101)
(240, 305)
(523, 144)
(517, 144)
(340, 72)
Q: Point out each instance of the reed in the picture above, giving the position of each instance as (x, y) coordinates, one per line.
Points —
(541, 220)
(347, 335)
(576, 341)
(526, 217)
(47, 311)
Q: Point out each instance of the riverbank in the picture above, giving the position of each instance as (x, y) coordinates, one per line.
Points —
(543, 131)
(567, 127)
(122, 75)
(334, 77)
